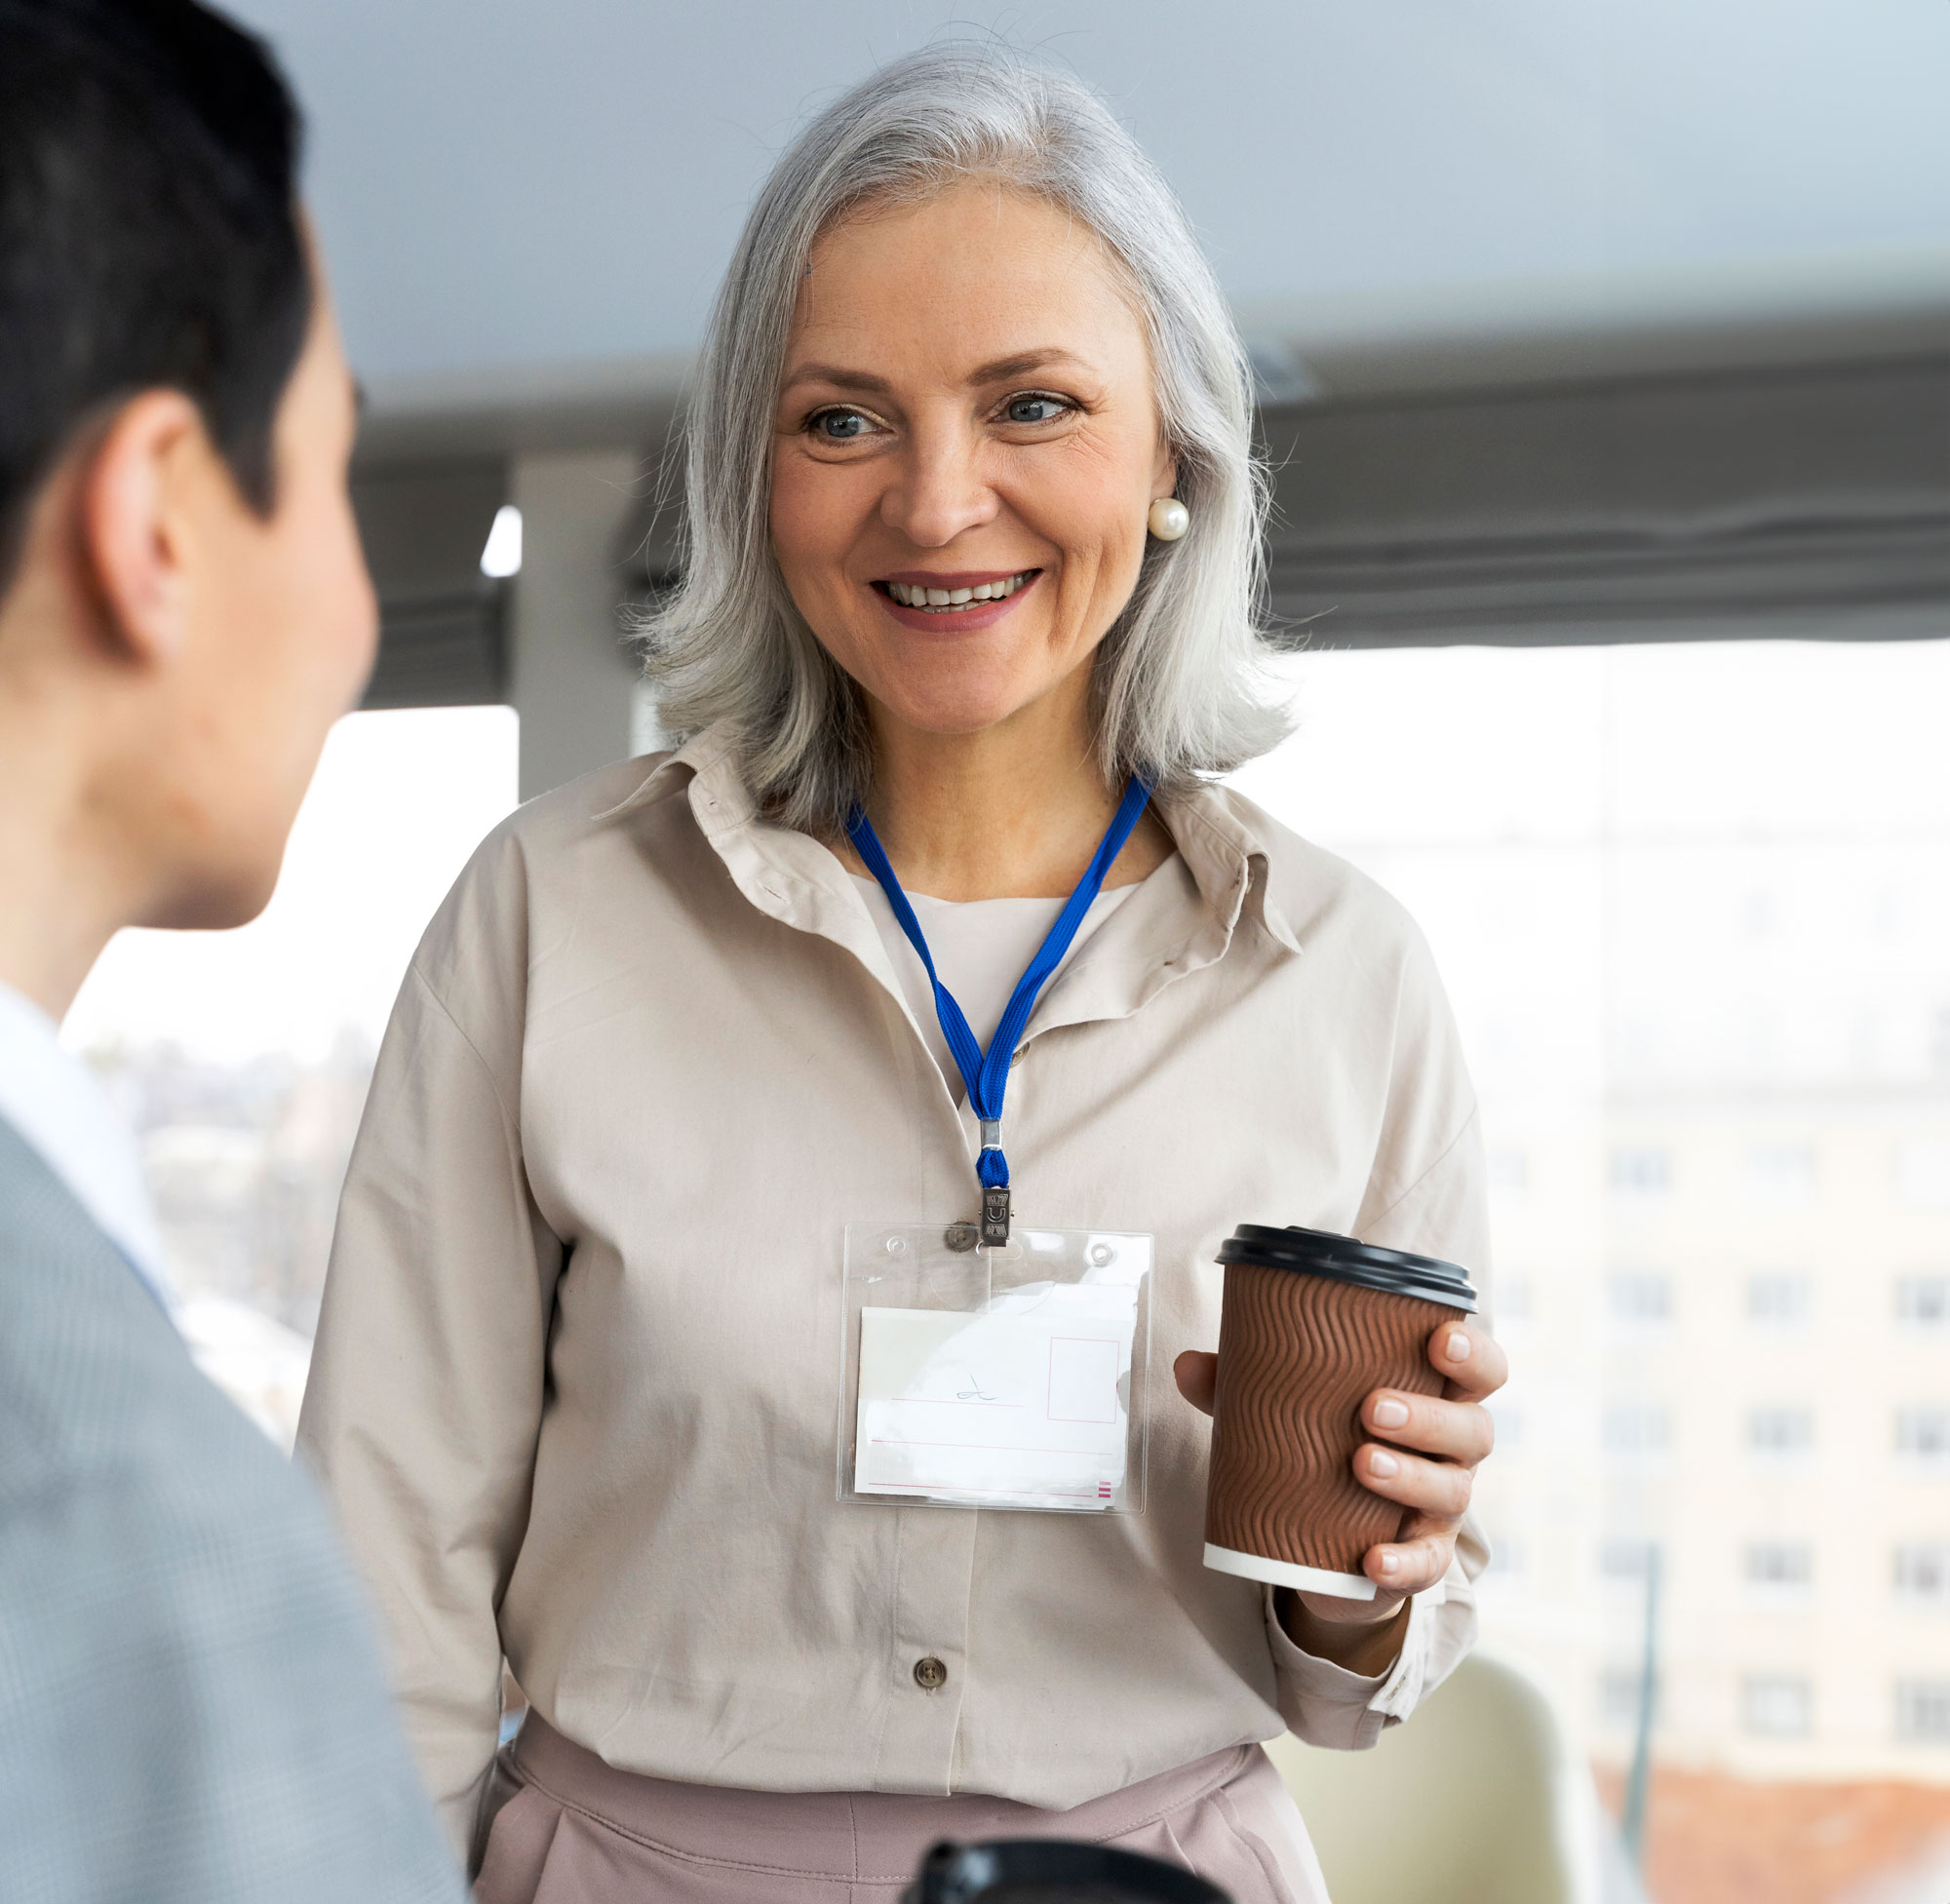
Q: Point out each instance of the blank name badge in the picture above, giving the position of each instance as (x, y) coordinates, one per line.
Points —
(996, 1378)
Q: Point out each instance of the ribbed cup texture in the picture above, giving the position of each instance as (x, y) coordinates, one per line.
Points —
(1297, 1355)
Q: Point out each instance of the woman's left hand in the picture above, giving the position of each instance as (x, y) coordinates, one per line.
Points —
(1433, 1446)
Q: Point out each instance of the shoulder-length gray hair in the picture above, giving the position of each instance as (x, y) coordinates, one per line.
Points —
(1177, 684)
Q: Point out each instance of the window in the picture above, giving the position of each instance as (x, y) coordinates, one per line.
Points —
(1506, 1556)
(1923, 1171)
(1641, 1171)
(1510, 1171)
(1923, 1711)
(1577, 831)
(1781, 1431)
(1780, 1566)
(1625, 1560)
(1777, 1299)
(1924, 1300)
(1640, 1299)
(1777, 1705)
(1924, 1434)
(241, 1059)
(1635, 1431)
(1508, 1418)
(1619, 1695)
(1781, 1174)
(1923, 1574)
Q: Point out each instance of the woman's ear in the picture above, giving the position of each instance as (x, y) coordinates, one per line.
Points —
(1164, 478)
(136, 502)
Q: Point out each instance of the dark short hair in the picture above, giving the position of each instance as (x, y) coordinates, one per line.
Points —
(150, 234)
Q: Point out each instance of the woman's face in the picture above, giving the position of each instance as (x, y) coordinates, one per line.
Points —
(966, 411)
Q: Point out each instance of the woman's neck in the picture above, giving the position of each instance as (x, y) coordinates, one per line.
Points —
(1014, 811)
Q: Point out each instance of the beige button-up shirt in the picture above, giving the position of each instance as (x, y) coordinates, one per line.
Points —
(577, 1388)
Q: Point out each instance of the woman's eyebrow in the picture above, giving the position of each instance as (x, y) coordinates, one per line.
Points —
(840, 378)
(1021, 364)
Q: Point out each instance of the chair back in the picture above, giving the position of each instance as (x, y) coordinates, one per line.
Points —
(1476, 1799)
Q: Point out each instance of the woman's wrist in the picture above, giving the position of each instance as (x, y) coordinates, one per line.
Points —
(1367, 1648)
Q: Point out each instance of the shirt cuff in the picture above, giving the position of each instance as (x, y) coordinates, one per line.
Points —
(1328, 1705)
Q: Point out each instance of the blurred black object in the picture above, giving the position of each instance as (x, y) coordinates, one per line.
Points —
(1052, 1871)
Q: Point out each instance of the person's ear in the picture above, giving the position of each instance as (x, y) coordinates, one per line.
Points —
(135, 498)
(1164, 476)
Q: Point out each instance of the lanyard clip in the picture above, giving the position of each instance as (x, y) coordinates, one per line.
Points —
(995, 1217)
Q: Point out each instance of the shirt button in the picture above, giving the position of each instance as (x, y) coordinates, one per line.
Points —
(930, 1674)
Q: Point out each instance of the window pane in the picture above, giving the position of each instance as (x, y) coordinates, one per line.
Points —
(1924, 1298)
(1777, 1705)
(1693, 907)
(1923, 1574)
(241, 1059)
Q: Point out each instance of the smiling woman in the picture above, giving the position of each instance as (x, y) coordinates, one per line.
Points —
(1106, 341)
(691, 1119)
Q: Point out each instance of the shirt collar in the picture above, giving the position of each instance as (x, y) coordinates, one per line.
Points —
(1227, 847)
(51, 1097)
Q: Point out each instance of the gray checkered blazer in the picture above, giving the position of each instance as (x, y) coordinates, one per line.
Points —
(190, 1704)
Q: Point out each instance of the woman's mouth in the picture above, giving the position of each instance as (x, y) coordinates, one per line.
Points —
(955, 593)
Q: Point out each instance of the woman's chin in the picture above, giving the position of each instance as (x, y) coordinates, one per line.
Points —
(957, 717)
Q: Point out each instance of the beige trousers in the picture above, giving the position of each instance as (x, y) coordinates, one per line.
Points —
(572, 1830)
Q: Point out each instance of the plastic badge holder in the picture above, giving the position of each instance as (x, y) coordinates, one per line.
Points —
(1011, 1377)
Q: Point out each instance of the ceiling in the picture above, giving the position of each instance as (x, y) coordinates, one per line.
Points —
(507, 189)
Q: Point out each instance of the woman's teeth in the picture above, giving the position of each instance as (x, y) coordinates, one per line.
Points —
(911, 596)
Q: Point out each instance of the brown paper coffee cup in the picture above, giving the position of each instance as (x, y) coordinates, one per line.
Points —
(1313, 1324)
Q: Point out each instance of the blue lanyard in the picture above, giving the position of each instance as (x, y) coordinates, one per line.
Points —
(987, 1073)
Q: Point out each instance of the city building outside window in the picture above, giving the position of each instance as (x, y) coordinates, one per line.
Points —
(1640, 1299)
(1923, 1171)
(1637, 1171)
(1923, 1711)
(1779, 1570)
(1781, 1172)
(1924, 1300)
(1507, 1554)
(1778, 1297)
(241, 1059)
(1740, 1097)
(1625, 1560)
(1636, 1430)
(1782, 1433)
(1923, 1574)
(1619, 1695)
(1580, 833)
(1924, 1434)
(1777, 1705)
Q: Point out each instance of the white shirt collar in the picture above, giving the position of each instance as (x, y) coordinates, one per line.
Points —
(51, 1099)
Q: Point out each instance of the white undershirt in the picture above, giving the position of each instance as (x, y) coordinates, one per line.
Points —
(51, 1097)
(981, 947)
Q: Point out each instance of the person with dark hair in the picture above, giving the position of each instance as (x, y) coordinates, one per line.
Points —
(191, 1706)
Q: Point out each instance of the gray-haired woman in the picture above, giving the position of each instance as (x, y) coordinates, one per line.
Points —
(973, 529)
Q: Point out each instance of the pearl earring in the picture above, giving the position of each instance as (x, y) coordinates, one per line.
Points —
(1169, 519)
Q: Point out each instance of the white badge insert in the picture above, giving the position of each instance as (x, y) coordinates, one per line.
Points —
(1010, 1377)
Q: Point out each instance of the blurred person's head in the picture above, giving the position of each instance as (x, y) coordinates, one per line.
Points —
(183, 606)
(1030, 349)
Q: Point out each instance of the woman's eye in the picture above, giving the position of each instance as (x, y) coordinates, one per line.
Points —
(840, 425)
(1034, 409)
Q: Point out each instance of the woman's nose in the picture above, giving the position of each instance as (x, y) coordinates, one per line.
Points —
(938, 493)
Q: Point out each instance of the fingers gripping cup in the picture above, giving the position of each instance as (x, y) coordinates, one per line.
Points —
(1313, 1324)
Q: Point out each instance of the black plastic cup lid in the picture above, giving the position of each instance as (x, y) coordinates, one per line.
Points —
(1343, 1260)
